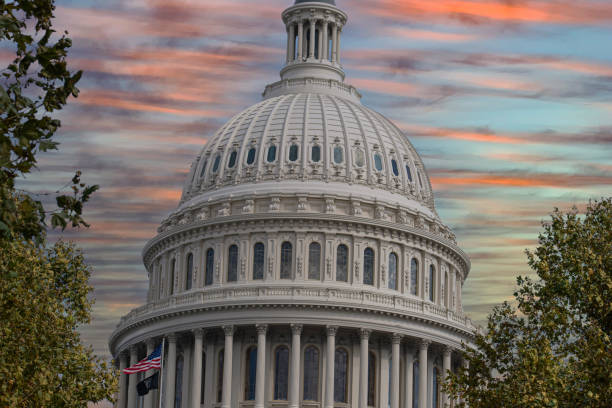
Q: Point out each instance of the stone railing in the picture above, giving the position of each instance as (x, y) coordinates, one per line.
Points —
(298, 294)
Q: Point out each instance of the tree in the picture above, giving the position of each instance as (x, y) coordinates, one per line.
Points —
(44, 290)
(553, 349)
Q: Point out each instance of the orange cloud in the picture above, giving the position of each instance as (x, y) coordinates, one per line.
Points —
(428, 35)
(461, 134)
(520, 180)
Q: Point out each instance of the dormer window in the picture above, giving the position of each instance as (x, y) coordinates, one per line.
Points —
(203, 171)
(316, 154)
(408, 172)
(338, 155)
(378, 164)
(294, 151)
(216, 163)
(359, 158)
(271, 154)
(394, 167)
(232, 159)
(251, 156)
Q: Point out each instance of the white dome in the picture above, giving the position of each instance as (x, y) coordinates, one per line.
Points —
(320, 140)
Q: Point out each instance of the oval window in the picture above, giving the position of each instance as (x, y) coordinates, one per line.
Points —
(378, 162)
(293, 152)
(251, 155)
(271, 153)
(338, 155)
(316, 154)
(408, 173)
(216, 163)
(359, 158)
(203, 171)
(394, 167)
(232, 159)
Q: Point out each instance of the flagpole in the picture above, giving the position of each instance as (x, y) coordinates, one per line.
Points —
(161, 374)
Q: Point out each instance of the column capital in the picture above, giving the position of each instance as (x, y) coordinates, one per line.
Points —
(172, 337)
(447, 350)
(424, 344)
(261, 328)
(134, 348)
(331, 330)
(199, 333)
(297, 328)
(229, 330)
(150, 343)
(364, 334)
(396, 338)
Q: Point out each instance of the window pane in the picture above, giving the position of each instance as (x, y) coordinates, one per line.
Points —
(220, 376)
(359, 158)
(408, 172)
(342, 263)
(271, 154)
(216, 163)
(311, 374)
(316, 154)
(293, 152)
(338, 155)
(232, 159)
(395, 168)
(314, 261)
(420, 179)
(259, 256)
(415, 385)
(281, 374)
(203, 171)
(378, 162)
(203, 383)
(210, 265)
(178, 385)
(286, 260)
(435, 388)
(189, 277)
(251, 374)
(341, 375)
(172, 266)
(414, 276)
(368, 266)
(251, 156)
(372, 380)
(393, 271)
(432, 271)
(232, 264)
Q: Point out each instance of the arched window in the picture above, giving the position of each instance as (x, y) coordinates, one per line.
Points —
(378, 162)
(414, 276)
(286, 260)
(372, 380)
(408, 172)
(220, 364)
(203, 171)
(394, 167)
(210, 266)
(259, 256)
(251, 155)
(311, 374)
(216, 163)
(315, 154)
(251, 374)
(420, 179)
(294, 151)
(432, 272)
(341, 375)
(393, 271)
(203, 383)
(415, 384)
(368, 266)
(314, 261)
(271, 154)
(281, 374)
(342, 263)
(189, 277)
(338, 155)
(359, 158)
(172, 266)
(435, 391)
(232, 159)
(232, 263)
(178, 384)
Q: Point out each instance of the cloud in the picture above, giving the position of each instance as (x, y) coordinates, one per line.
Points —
(454, 178)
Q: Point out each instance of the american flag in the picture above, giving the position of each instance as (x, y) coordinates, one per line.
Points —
(151, 362)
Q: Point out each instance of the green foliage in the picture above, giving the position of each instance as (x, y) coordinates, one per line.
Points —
(43, 299)
(554, 348)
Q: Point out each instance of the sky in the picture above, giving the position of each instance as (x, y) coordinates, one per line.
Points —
(509, 103)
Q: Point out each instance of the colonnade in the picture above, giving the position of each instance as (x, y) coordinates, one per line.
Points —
(401, 383)
(309, 39)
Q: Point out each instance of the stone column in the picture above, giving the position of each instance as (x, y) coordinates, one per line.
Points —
(395, 370)
(227, 366)
(409, 376)
(170, 380)
(294, 375)
(320, 56)
(331, 356)
(149, 400)
(423, 373)
(313, 28)
(363, 364)
(335, 43)
(325, 50)
(123, 381)
(446, 366)
(338, 45)
(260, 381)
(300, 40)
(133, 380)
(291, 45)
(196, 374)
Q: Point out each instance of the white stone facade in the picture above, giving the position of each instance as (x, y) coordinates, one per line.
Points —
(306, 239)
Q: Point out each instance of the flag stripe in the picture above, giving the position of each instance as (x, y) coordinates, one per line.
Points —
(152, 361)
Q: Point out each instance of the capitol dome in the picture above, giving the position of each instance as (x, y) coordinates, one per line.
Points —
(306, 238)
